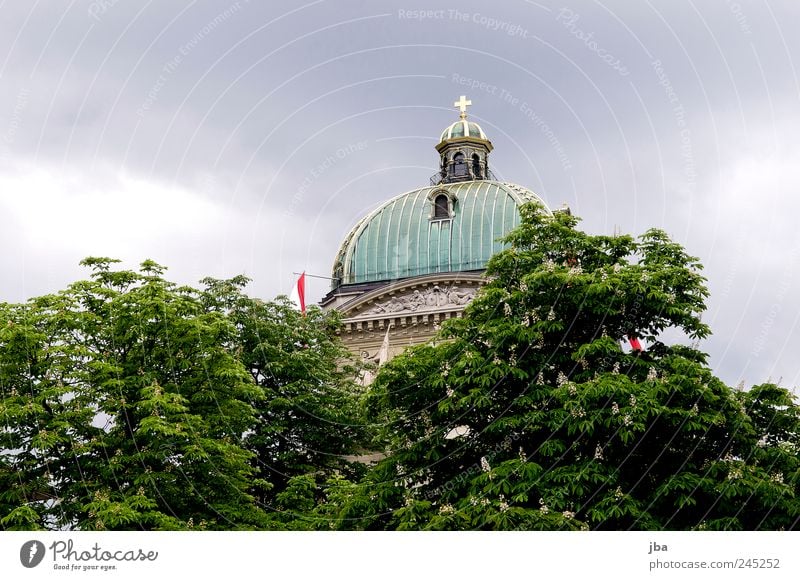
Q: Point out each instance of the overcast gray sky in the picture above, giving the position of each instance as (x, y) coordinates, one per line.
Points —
(222, 137)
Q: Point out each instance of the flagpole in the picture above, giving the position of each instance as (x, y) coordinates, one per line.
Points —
(314, 276)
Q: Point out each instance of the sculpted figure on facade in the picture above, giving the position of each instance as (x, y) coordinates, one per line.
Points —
(428, 299)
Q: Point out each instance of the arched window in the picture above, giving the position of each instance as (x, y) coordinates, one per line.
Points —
(476, 166)
(459, 167)
(441, 207)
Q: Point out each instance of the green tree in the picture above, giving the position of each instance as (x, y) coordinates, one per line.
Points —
(532, 413)
(124, 407)
(42, 419)
(308, 414)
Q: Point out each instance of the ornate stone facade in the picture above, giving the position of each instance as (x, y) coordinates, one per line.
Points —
(431, 299)
(411, 309)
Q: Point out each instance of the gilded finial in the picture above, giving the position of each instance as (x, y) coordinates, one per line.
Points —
(461, 104)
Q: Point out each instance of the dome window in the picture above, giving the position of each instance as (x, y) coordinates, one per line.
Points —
(441, 207)
(476, 166)
(459, 166)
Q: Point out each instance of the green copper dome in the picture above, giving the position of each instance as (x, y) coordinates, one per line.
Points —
(451, 227)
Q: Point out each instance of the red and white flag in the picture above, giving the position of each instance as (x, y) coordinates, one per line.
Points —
(298, 295)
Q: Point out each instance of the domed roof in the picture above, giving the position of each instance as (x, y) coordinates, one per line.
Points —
(463, 128)
(410, 236)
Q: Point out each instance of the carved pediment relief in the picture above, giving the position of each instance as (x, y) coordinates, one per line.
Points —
(430, 294)
(429, 299)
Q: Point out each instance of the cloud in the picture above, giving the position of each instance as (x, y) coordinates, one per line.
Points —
(103, 211)
(57, 216)
(746, 222)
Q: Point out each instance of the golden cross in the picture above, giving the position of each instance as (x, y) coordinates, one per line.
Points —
(462, 103)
